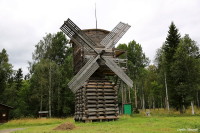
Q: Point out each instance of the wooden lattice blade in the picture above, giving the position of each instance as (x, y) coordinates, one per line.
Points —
(84, 74)
(76, 35)
(118, 71)
(115, 35)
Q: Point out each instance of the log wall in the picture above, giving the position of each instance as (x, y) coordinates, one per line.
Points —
(97, 100)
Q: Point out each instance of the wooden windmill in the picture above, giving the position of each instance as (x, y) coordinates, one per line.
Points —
(95, 58)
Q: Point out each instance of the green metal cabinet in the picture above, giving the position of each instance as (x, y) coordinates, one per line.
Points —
(127, 109)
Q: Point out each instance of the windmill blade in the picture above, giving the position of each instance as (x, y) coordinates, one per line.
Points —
(84, 74)
(81, 70)
(76, 35)
(118, 71)
(113, 37)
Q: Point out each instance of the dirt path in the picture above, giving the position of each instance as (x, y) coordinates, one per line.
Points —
(10, 130)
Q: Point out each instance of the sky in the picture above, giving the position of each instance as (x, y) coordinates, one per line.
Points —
(23, 23)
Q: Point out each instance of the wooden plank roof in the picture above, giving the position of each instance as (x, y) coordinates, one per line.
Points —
(6, 106)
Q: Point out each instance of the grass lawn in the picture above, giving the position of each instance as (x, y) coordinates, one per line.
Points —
(126, 124)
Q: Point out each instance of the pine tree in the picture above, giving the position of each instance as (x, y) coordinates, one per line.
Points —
(169, 50)
(18, 79)
(171, 43)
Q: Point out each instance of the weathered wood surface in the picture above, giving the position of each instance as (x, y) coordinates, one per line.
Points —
(96, 100)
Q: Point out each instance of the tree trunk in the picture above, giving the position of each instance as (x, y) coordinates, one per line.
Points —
(41, 102)
(136, 97)
(197, 99)
(129, 94)
(58, 101)
(183, 104)
(149, 103)
(143, 102)
(166, 89)
(153, 103)
(50, 90)
(125, 95)
(184, 108)
(192, 105)
(181, 109)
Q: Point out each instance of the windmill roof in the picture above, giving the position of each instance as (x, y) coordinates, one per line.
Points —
(96, 30)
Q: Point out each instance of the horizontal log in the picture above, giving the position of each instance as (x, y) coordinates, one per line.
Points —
(100, 93)
(101, 117)
(95, 83)
(100, 90)
(102, 109)
(105, 97)
(92, 86)
(103, 113)
(97, 80)
(102, 105)
(101, 101)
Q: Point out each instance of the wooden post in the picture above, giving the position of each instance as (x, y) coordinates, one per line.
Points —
(122, 99)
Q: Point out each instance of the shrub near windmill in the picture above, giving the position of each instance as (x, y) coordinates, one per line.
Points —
(95, 58)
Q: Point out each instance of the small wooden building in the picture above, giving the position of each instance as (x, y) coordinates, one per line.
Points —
(4, 112)
(43, 114)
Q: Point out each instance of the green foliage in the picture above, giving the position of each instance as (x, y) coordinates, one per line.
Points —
(178, 59)
(51, 71)
(18, 79)
(16, 94)
(137, 60)
(167, 59)
(5, 73)
(185, 71)
(152, 88)
(52, 47)
(123, 47)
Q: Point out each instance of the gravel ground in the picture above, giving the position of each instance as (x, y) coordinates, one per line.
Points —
(10, 130)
